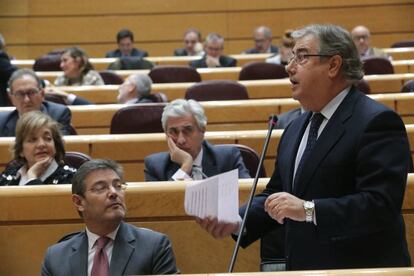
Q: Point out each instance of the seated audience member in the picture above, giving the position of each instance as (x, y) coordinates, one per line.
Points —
(192, 44)
(262, 42)
(362, 39)
(69, 98)
(26, 93)
(6, 69)
(108, 245)
(135, 89)
(213, 57)
(190, 156)
(285, 52)
(125, 40)
(77, 70)
(38, 153)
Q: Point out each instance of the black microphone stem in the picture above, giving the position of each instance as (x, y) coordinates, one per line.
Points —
(272, 124)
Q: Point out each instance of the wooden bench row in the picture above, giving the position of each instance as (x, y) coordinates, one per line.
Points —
(131, 149)
(228, 115)
(398, 54)
(257, 89)
(33, 218)
(228, 73)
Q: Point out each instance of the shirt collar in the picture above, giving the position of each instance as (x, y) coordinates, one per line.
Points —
(331, 107)
(92, 237)
(199, 158)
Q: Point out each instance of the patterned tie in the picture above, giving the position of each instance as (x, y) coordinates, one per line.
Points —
(196, 173)
(100, 260)
(316, 122)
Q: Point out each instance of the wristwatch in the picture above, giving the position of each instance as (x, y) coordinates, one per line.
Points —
(309, 207)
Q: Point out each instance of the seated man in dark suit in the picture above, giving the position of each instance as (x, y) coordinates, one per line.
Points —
(135, 89)
(190, 156)
(213, 47)
(6, 69)
(192, 44)
(125, 40)
(262, 42)
(27, 94)
(108, 246)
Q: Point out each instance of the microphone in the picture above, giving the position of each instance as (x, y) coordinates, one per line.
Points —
(272, 124)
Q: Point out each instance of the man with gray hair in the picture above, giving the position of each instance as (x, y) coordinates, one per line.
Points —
(362, 39)
(342, 166)
(108, 246)
(262, 37)
(135, 89)
(213, 57)
(190, 156)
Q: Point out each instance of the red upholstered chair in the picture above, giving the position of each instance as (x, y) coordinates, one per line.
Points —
(158, 97)
(139, 118)
(250, 159)
(377, 66)
(172, 74)
(55, 98)
(130, 63)
(408, 86)
(217, 90)
(262, 71)
(403, 43)
(76, 159)
(111, 77)
(47, 63)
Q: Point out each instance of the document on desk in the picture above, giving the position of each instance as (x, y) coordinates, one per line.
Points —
(216, 196)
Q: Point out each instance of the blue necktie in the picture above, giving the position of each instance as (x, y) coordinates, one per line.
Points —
(316, 122)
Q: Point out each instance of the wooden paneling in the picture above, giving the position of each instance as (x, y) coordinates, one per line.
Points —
(35, 27)
(33, 218)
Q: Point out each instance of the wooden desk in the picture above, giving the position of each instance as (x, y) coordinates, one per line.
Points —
(33, 218)
(228, 73)
(131, 149)
(257, 89)
(103, 63)
(227, 115)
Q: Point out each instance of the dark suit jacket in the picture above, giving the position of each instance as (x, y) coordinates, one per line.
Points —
(284, 119)
(273, 49)
(225, 61)
(81, 101)
(58, 112)
(159, 167)
(356, 176)
(136, 250)
(134, 53)
(6, 69)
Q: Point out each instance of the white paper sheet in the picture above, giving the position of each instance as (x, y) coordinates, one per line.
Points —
(217, 196)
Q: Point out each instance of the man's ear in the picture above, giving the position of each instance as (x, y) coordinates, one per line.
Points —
(42, 93)
(77, 200)
(335, 65)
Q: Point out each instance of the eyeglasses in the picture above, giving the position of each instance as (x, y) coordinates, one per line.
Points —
(22, 94)
(101, 188)
(301, 58)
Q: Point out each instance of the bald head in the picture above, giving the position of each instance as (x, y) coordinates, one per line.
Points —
(361, 37)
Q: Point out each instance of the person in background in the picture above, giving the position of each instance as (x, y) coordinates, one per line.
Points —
(125, 40)
(135, 89)
(213, 57)
(262, 37)
(38, 153)
(285, 51)
(192, 44)
(108, 245)
(26, 92)
(77, 70)
(6, 69)
(190, 156)
(341, 167)
(362, 39)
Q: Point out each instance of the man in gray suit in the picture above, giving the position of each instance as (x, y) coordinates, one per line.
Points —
(27, 94)
(190, 156)
(108, 246)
